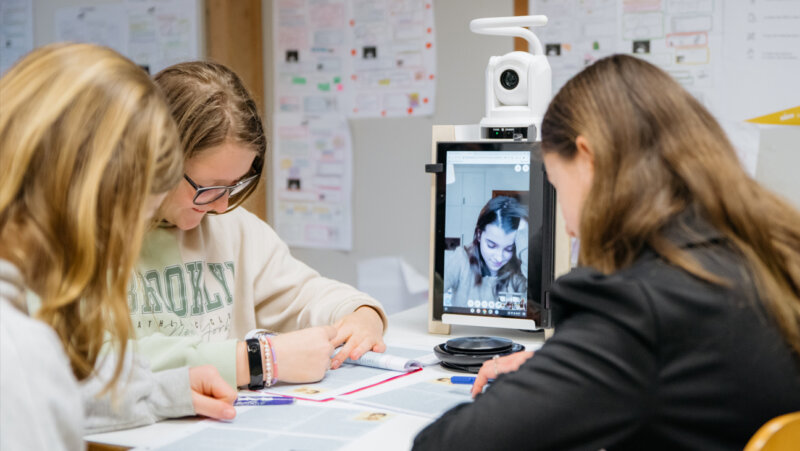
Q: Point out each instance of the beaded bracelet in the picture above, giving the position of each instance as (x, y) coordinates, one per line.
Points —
(274, 360)
(270, 363)
(267, 360)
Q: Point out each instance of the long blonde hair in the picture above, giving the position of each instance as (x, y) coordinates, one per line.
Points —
(657, 152)
(211, 105)
(85, 138)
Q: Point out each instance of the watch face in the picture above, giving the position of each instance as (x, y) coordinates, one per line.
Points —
(252, 347)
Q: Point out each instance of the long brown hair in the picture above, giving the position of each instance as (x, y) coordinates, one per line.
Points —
(658, 151)
(211, 105)
(85, 138)
(506, 213)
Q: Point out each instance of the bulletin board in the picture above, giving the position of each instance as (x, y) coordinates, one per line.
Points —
(739, 58)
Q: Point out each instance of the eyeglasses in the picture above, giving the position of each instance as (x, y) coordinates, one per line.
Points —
(205, 195)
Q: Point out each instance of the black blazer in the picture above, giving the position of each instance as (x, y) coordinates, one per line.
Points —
(649, 357)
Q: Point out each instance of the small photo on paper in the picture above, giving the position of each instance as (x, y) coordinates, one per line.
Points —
(641, 47)
(307, 391)
(372, 416)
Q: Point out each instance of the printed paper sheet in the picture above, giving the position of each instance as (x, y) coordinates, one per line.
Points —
(152, 33)
(348, 378)
(278, 428)
(392, 66)
(312, 180)
(16, 31)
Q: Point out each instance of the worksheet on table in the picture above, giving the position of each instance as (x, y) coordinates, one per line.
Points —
(350, 377)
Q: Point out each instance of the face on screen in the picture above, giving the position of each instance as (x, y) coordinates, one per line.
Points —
(486, 203)
(497, 247)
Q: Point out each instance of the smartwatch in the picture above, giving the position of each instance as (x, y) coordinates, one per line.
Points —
(254, 360)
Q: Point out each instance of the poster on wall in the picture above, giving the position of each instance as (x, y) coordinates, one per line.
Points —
(309, 54)
(762, 58)
(162, 32)
(392, 58)
(97, 24)
(736, 58)
(312, 180)
(16, 31)
(152, 33)
(334, 60)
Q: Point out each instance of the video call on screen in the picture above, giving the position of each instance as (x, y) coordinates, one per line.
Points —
(488, 277)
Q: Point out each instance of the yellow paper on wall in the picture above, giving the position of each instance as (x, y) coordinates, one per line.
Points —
(790, 116)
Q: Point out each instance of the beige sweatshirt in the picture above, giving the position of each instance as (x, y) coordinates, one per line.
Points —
(197, 292)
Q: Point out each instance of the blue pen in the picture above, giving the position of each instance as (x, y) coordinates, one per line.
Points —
(467, 380)
(263, 401)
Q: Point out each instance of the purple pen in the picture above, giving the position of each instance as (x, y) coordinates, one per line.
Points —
(263, 401)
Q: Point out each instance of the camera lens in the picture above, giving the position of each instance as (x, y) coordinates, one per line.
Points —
(509, 79)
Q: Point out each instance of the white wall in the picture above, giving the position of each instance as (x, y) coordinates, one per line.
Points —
(779, 161)
(391, 211)
(391, 199)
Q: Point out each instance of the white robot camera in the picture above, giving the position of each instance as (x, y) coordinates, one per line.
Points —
(518, 84)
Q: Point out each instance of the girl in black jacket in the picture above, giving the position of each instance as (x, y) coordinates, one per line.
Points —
(681, 327)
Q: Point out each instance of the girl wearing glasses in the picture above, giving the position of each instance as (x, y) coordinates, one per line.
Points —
(88, 150)
(212, 272)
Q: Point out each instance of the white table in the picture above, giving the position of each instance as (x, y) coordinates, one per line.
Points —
(406, 328)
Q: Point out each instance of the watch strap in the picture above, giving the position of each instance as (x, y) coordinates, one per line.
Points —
(254, 360)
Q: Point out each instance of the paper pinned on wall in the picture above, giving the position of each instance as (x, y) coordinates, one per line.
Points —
(312, 180)
(162, 32)
(762, 58)
(391, 59)
(789, 116)
(152, 33)
(97, 24)
(310, 55)
(16, 31)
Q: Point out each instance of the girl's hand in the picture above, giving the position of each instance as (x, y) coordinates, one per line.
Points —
(497, 366)
(211, 395)
(360, 331)
(303, 355)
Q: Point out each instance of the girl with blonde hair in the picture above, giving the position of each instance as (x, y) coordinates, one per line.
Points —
(681, 327)
(88, 150)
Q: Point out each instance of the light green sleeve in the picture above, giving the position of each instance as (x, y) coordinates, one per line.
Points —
(164, 352)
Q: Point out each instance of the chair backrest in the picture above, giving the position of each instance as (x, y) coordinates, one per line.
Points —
(778, 434)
